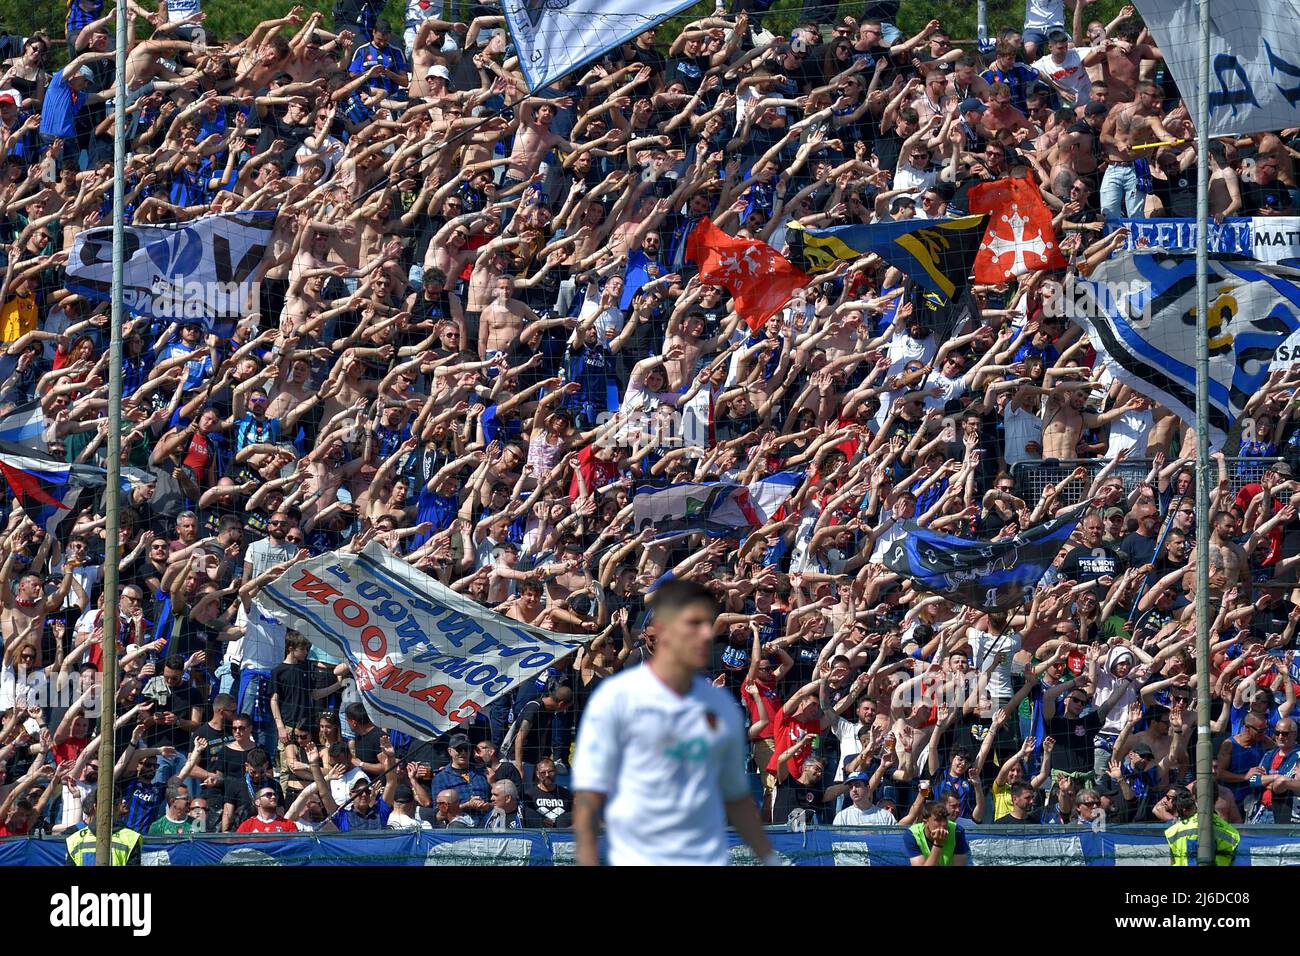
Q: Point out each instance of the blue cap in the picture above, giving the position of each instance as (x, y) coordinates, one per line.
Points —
(856, 776)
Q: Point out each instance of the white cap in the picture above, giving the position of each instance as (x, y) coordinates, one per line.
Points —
(441, 71)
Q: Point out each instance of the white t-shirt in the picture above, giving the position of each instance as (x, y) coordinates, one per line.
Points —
(1069, 74)
(32, 687)
(1019, 428)
(952, 388)
(400, 821)
(984, 647)
(909, 180)
(667, 765)
(263, 640)
(1040, 14)
(851, 816)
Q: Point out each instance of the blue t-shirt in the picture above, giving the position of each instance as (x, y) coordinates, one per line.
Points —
(60, 108)
(349, 819)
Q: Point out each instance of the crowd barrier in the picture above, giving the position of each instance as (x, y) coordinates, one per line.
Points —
(827, 846)
(1033, 476)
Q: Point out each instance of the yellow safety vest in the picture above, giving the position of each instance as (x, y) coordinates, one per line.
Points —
(923, 841)
(1182, 837)
(81, 846)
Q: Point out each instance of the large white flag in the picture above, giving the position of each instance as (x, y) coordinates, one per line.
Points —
(553, 37)
(425, 658)
(196, 271)
(1254, 60)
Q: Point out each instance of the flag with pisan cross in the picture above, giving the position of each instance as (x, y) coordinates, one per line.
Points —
(1020, 237)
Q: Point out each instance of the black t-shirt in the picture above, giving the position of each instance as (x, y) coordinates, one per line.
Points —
(792, 794)
(1254, 197)
(292, 684)
(651, 58)
(179, 702)
(211, 758)
(1178, 194)
(1088, 564)
(554, 808)
(1137, 549)
(1073, 751)
(366, 745)
(538, 742)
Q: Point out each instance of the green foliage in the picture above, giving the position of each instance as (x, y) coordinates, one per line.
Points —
(226, 17)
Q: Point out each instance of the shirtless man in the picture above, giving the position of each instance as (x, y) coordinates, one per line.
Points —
(1077, 152)
(293, 391)
(1228, 563)
(503, 320)
(1128, 174)
(1123, 62)
(22, 613)
(492, 262)
(1225, 187)
(685, 339)
(533, 138)
(1001, 115)
(1064, 418)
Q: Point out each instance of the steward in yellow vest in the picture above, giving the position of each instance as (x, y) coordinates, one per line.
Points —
(1182, 835)
(81, 843)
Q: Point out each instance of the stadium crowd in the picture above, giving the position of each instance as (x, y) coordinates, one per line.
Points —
(477, 333)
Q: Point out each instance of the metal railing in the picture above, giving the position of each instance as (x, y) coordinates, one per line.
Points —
(1033, 476)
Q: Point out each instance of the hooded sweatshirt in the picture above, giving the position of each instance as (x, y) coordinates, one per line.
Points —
(1110, 688)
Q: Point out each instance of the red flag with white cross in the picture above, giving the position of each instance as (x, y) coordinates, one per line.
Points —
(1020, 237)
(759, 278)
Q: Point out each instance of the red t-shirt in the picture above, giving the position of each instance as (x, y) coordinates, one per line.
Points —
(594, 471)
(771, 706)
(278, 825)
(789, 731)
(70, 749)
(1244, 497)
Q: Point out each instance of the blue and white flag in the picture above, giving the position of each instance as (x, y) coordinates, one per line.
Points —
(425, 658)
(24, 425)
(555, 37)
(993, 575)
(196, 271)
(1139, 311)
(1265, 238)
(770, 493)
(714, 508)
(1254, 60)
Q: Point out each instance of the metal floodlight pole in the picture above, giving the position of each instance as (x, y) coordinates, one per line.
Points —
(982, 20)
(1205, 786)
(105, 801)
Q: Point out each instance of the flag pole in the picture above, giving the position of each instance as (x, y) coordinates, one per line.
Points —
(1205, 786)
(105, 802)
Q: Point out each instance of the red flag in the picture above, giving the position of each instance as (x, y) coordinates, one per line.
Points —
(758, 277)
(1020, 237)
(24, 484)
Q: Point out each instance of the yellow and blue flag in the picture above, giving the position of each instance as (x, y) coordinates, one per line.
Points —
(937, 254)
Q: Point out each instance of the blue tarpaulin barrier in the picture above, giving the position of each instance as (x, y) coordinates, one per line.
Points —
(990, 846)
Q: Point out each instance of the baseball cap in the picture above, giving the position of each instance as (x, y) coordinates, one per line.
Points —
(402, 793)
(441, 71)
(1143, 750)
(1112, 512)
(8, 98)
(457, 740)
(858, 776)
(972, 104)
(86, 74)
(361, 781)
(1281, 468)
(1095, 109)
